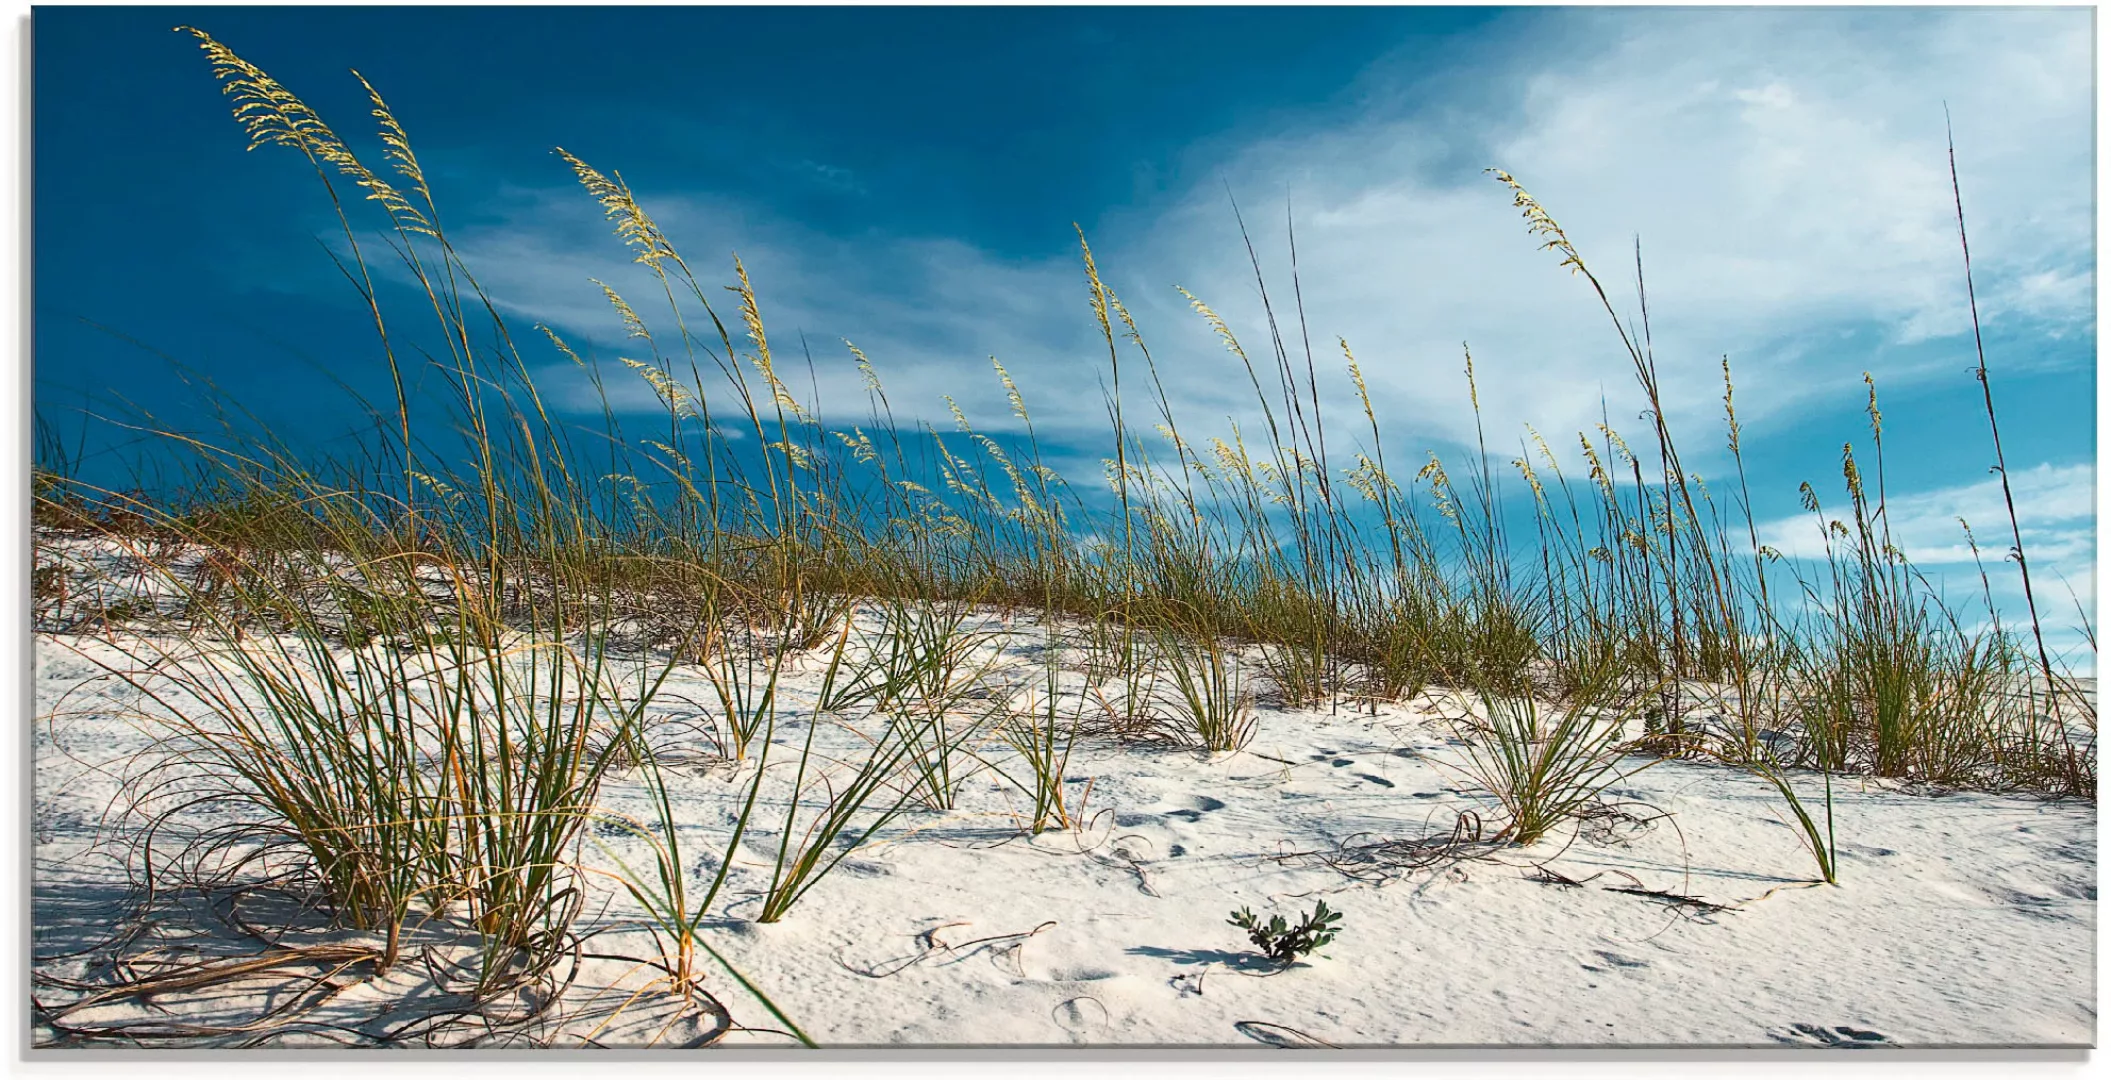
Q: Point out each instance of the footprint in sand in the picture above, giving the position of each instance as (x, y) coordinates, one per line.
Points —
(1076, 974)
(1615, 960)
(1188, 808)
(1839, 1037)
(1191, 808)
(1864, 849)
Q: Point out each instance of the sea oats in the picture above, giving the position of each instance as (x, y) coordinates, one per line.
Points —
(633, 224)
(274, 115)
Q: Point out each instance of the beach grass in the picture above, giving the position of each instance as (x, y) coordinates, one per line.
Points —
(417, 663)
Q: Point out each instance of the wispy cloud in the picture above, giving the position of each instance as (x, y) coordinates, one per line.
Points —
(831, 176)
(930, 311)
(1786, 174)
(2055, 507)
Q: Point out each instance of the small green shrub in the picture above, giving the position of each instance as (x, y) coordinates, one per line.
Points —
(1283, 943)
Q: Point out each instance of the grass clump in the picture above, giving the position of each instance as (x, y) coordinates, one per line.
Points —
(1547, 764)
(1204, 697)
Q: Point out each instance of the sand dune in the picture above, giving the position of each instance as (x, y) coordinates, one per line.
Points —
(1680, 914)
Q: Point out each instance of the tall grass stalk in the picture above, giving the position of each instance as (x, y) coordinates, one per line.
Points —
(1041, 736)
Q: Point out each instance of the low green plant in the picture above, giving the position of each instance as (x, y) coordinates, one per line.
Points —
(1283, 943)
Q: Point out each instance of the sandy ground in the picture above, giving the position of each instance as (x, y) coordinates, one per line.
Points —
(1961, 919)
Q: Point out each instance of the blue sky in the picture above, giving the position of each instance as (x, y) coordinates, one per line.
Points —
(907, 179)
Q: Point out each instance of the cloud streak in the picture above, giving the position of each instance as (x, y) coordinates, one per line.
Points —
(1785, 172)
(2055, 507)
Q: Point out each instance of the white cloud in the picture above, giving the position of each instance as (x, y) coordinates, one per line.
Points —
(930, 312)
(1784, 169)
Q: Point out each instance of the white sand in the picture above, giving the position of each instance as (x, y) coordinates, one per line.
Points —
(1961, 919)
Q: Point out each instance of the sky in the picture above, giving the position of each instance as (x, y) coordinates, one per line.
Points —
(912, 180)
